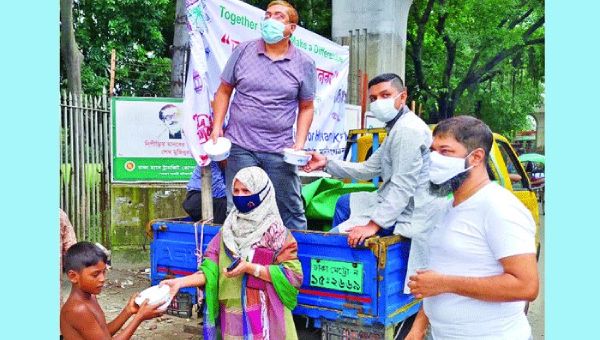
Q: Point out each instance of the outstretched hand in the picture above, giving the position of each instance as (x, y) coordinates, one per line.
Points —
(316, 162)
(174, 286)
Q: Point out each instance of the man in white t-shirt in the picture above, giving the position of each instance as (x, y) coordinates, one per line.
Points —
(482, 265)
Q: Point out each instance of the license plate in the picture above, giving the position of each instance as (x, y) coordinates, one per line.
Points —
(337, 275)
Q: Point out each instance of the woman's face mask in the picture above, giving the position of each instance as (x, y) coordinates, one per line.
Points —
(443, 168)
(246, 204)
(384, 109)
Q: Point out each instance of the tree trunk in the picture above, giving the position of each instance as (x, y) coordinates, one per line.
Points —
(69, 50)
(442, 109)
(446, 107)
(180, 43)
(309, 21)
(447, 95)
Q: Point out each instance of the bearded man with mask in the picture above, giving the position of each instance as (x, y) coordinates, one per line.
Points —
(482, 263)
(273, 79)
(401, 204)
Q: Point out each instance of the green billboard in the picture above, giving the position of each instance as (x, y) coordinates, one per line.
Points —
(147, 141)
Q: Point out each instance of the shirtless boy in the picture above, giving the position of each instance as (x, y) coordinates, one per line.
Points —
(81, 316)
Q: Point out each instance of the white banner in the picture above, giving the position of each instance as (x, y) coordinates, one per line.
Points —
(216, 27)
(197, 112)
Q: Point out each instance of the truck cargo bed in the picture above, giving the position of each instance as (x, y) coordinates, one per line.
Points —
(361, 286)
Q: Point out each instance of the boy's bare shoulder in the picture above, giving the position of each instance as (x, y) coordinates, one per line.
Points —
(75, 309)
(80, 319)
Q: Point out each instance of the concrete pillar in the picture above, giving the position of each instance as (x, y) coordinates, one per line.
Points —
(540, 131)
(384, 48)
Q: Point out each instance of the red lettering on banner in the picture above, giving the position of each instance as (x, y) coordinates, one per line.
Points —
(227, 41)
(203, 124)
(324, 76)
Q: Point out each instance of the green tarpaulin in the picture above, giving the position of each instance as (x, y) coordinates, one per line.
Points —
(320, 197)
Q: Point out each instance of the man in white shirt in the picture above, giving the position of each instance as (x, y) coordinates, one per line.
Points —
(482, 265)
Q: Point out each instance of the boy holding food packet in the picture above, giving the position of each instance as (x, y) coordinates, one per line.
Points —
(81, 317)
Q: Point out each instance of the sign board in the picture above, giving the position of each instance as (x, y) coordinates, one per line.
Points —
(352, 116)
(147, 141)
(336, 275)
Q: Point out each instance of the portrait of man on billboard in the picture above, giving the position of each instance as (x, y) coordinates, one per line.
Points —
(168, 115)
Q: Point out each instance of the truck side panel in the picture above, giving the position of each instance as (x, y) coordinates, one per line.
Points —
(383, 261)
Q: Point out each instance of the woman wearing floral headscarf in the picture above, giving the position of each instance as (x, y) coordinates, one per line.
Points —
(253, 299)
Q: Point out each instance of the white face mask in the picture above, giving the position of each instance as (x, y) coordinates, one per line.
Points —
(384, 109)
(442, 168)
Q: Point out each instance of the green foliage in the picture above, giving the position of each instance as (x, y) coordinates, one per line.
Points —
(139, 30)
(484, 58)
(504, 105)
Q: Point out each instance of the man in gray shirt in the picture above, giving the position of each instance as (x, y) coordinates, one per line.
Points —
(402, 203)
(273, 80)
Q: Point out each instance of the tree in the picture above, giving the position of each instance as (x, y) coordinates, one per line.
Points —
(180, 43)
(69, 50)
(139, 30)
(146, 34)
(479, 57)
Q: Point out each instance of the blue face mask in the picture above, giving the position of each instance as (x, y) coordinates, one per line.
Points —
(245, 204)
(272, 31)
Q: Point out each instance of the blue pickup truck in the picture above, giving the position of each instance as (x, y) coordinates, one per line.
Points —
(347, 291)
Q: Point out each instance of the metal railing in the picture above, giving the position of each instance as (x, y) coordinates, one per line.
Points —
(85, 165)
